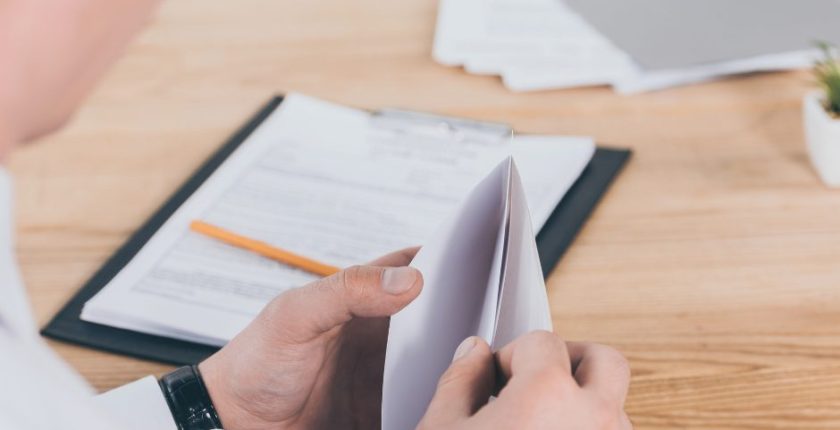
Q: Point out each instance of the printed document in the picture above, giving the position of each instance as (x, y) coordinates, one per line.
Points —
(335, 184)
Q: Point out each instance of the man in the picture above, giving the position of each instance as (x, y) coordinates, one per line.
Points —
(313, 358)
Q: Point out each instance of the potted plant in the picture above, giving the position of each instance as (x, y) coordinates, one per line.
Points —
(822, 119)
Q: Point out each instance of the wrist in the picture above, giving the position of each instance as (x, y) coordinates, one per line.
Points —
(228, 405)
(215, 389)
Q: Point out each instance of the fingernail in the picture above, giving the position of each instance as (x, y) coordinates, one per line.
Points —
(397, 280)
(464, 348)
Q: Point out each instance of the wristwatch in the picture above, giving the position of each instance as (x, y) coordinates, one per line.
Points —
(188, 400)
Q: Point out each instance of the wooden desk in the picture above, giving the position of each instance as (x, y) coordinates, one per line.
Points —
(713, 263)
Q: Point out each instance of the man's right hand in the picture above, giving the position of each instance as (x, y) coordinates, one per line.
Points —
(551, 384)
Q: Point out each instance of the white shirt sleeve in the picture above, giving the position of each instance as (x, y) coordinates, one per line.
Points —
(31, 374)
(138, 406)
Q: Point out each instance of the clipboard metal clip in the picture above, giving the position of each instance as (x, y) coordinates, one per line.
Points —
(455, 129)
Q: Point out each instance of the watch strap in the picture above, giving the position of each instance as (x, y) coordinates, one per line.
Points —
(189, 400)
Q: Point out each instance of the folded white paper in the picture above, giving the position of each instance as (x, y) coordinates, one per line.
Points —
(482, 277)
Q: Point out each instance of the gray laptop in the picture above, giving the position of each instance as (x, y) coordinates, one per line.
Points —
(668, 34)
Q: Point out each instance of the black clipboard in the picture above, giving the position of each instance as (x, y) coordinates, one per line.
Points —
(552, 242)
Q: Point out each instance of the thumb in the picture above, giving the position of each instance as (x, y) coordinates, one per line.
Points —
(465, 387)
(359, 291)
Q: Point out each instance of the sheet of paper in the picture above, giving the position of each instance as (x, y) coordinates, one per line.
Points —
(512, 38)
(641, 81)
(318, 179)
(523, 303)
(468, 286)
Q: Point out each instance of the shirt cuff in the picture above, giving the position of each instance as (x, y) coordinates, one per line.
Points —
(138, 406)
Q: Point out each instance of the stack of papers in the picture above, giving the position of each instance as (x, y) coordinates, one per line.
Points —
(336, 184)
(546, 44)
(531, 44)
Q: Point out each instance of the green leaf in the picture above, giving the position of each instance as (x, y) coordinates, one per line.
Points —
(827, 72)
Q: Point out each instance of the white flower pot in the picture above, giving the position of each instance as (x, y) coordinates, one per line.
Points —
(822, 134)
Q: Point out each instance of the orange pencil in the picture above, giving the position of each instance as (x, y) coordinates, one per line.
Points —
(263, 249)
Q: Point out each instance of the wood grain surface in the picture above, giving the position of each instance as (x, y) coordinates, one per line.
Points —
(713, 263)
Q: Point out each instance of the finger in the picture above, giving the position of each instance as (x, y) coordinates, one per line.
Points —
(465, 387)
(402, 257)
(359, 291)
(601, 369)
(533, 354)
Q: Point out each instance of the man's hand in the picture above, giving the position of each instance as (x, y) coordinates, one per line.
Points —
(314, 356)
(550, 385)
